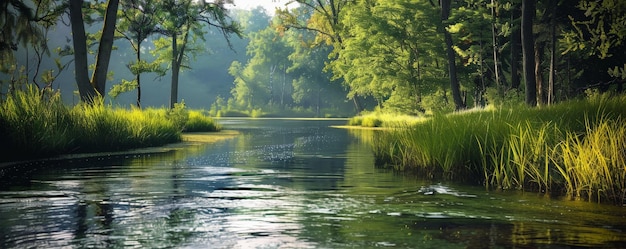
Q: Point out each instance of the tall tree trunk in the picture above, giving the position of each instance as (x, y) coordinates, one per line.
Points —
(528, 43)
(552, 52)
(79, 40)
(138, 76)
(175, 71)
(99, 77)
(454, 82)
(494, 41)
(177, 55)
(515, 49)
(541, 93)
(357, 104)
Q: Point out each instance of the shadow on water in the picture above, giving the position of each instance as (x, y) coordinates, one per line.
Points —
(280, 183)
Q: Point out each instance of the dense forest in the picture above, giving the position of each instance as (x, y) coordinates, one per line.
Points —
(315, 57)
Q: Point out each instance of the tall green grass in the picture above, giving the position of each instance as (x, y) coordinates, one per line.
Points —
(378, 119)
(576, 148)
(35, 125)
(200, 122)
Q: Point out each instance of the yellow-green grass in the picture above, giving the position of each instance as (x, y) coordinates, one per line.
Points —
(576, 148)
(200, 122)
(34, 125)
(378, 119)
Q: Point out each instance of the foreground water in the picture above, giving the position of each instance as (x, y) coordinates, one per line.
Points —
(280, 184)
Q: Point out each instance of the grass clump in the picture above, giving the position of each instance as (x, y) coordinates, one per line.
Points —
(378, 119)
(198, 122)
(575, 148)
(35, 125)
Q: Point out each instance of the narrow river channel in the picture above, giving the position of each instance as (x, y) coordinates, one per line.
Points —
(280, 184)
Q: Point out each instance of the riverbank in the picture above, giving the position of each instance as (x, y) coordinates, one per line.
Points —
(576, 148)
(34, 125)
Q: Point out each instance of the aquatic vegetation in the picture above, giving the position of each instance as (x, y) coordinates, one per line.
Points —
(577, 148)
(593, 165)
(35, 125)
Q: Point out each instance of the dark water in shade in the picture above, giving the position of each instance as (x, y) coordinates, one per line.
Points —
(280, 184)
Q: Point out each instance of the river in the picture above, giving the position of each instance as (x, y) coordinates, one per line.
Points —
(280, 184)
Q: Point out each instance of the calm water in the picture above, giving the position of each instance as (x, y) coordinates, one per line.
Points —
(280, 184)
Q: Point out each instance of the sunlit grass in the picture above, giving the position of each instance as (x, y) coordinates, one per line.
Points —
(378, 119)
(593, 165)
(34, 125)
(198, 121)
(576, 147)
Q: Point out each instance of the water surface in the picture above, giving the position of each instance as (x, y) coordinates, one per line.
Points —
(280, 184)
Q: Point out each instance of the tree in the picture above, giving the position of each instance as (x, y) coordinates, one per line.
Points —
(515, 46)
(138, 22)
(452, 72)
(528, 50)
(600, 32)
(88, 90)
(182, 22)
(391, 52)
(79, 39)
(256, 82)
(99, 77)
(324, 18)
(25, 24)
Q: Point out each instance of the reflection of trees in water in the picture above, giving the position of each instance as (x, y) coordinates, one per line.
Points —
(135, 204)
(94, 213)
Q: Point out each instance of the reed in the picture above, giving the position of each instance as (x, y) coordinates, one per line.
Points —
(35, 125)
(576, 147)
(593, 164)
(378, 119)
(199, 122)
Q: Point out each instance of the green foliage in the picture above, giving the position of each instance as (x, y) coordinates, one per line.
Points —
(124, 86)
(380, 55)
(283, 77)
(603, 31)
(511, 98)
(179, 115)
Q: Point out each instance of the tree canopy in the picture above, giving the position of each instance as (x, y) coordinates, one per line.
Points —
(408, 56)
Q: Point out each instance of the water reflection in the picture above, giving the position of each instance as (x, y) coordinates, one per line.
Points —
(281, 183)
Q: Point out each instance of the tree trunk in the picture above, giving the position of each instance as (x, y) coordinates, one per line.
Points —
(99, 77)
(552, 53)
(79, 40)
(175, 71)
(515, 49)
(138, 76)
(177, 55)
(494, 40)
(541, 93)
(528, 43)
(357, 104)
(454, 82)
